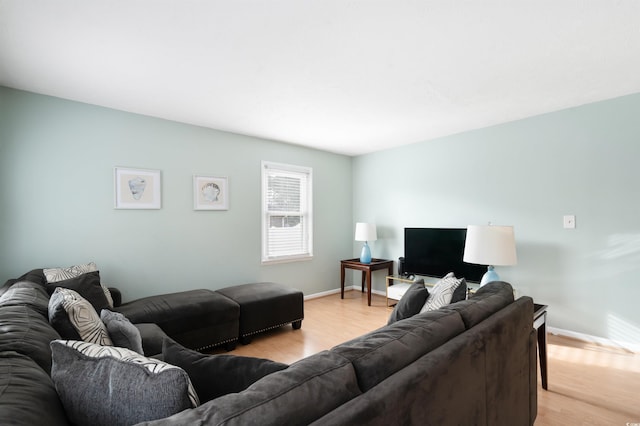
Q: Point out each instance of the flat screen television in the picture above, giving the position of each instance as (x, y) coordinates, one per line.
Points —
(434, 252)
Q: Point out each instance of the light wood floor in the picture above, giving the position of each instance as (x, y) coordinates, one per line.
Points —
(589, 384)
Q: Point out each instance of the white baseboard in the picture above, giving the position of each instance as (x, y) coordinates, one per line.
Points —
(337, 290)
(324, 293)
(633, 347)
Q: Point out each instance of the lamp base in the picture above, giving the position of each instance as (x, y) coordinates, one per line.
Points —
(489, 276)
(365, 254)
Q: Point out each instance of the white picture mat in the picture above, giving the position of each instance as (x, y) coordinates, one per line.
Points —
(210, 192)
(137, 188)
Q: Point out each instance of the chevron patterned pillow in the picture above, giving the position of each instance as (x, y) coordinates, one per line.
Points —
(442, 292)
(68, 311)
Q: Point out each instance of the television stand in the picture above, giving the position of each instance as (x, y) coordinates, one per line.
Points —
(397, 286)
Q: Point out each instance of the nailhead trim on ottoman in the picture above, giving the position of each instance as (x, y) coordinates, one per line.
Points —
(264, 306)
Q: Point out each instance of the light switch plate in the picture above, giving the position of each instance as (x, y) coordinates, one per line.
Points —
(569, 221)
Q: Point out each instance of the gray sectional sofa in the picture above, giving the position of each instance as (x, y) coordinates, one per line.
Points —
(471, 362)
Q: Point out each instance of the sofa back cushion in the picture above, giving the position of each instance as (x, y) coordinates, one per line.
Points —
(443, 387)
(26, 293)
(27, 394)
(511, 365)
(307, 390)
(489, 299)
(379, 354)
(26, 331)
(34, 276)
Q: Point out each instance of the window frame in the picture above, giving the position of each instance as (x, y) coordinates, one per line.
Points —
(269, 168)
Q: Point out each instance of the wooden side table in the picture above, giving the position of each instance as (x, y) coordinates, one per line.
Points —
(367, 269)
(540, 324)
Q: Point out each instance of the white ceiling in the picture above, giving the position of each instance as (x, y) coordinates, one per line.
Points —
(346, 76)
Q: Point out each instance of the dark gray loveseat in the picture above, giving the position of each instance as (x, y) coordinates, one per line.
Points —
(472, 362)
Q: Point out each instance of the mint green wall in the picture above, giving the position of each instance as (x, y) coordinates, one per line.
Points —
(56, 193)
(529, 173)
(56, 203)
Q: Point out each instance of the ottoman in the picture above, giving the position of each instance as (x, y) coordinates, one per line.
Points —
(264, 306)
(197, 319)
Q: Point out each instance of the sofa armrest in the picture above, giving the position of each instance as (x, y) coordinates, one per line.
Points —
(116, 295)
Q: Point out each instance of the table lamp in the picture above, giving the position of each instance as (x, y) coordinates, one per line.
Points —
(490, 245)
(366, 232)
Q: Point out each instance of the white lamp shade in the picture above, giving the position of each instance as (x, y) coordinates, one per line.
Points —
(490, 245)
(366, 231)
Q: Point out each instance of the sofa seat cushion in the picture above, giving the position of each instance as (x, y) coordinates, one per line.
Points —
(216, 375)
(308, 389)
(196, 319)
(110, 386)
(379, 354)
(25, 386)
(27, 331)
(489, 299)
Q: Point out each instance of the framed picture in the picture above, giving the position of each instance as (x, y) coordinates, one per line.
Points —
(137, 188)
(210, 193)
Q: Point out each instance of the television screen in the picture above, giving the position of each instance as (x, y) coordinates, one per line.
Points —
(434, 252)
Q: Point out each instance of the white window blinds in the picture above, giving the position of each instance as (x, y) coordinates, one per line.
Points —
(287, 212)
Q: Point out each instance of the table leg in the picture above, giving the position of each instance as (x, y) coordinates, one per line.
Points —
(542, 352)
(369, 287)
(364, 273)
(342, 282)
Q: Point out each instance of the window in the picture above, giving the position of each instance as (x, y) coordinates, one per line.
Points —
(287, 216)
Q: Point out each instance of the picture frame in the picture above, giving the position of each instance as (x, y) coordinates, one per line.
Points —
(210, 192)
(137, 188)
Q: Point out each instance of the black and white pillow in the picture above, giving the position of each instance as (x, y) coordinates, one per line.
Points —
(442, 292)
(110, 386)
(55, 275)
(69, 311)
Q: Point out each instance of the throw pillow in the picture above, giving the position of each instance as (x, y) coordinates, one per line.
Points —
(460, 293)
(60, 274)
(442, 293)
(121, 331)
(216, 375)
(106, 385)
(54, 275)
(411, 302)
(68, 307)
(88, 286)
